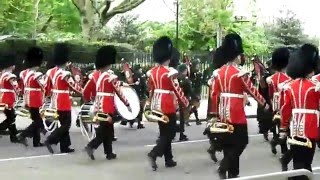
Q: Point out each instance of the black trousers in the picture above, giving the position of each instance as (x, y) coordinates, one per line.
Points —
(233, 146)
(182, 120)
(276, 140)
(9, 123)
(61, 135)
(104, 134)
(264, 119)
(167, 134)
(34, 129)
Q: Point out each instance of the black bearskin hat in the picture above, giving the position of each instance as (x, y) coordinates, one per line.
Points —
(280, 58)
(34, 57)
(303, 61)
(218, 58)
(7, 60)
(105, 56)
(231, 47)
(61, 54)
(175, 58)
(162, 49)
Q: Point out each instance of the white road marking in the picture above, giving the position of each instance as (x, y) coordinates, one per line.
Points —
(32, 157)
(200, 140)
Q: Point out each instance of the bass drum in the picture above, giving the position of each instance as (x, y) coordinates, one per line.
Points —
(130, 94)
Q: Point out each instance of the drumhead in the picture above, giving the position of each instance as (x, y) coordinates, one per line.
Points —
(134, 102)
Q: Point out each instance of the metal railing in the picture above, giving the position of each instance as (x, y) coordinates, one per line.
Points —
(279, 175)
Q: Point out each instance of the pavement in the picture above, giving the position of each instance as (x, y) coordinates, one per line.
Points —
(18, 162)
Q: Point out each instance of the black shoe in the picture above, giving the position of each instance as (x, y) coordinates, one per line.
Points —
(89, 151)
(273, 146)
(231, 176)
(38, 145)
(46, 143)
(265, 136)
(198, 123)
(22, 140)
(152, 160)
(222, 174)
(284, 166)
(114, 139)
(124, 123)
(14, 139)
(183, 138)
(188, 124)
(69, 150)
(170, 163)
(140, 126)
(111, 156)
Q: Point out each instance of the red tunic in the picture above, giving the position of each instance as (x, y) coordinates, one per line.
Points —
(165, 90)
(127, 72)
(103, 86)
(33, 89)
(230, 85)
(274, 85)
(8, 88)
(301, 105)
(58, 85)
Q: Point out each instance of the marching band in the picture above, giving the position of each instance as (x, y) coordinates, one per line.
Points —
(168, 89)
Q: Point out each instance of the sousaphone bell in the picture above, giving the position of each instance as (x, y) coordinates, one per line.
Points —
(300, 141)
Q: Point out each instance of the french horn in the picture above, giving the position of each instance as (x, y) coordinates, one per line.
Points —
(300, 141)
(220, 127)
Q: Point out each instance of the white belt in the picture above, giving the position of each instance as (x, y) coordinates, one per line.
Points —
(32, 89)
(60, 91)
(6, 90)
(305, 111)
(104, 94)
(162, 91)
(231, 95)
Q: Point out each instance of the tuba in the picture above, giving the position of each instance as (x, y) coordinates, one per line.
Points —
(300, 141)
(154, 115)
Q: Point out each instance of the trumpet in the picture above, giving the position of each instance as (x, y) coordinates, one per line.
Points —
(102, 117)
(300, 141)
(220, 127)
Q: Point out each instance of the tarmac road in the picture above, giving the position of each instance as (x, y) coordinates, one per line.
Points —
(18, 162)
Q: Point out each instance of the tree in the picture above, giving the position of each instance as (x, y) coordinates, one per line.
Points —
(287, 31)
(95, 14)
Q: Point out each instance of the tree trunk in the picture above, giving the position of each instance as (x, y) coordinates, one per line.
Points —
(88, 18)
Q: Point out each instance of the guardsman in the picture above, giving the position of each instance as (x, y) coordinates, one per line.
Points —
(8, 92)
(164, 93)
(103, 85)
(33, 83)
(301, 107)
(280, 58)
(186, 87)
(230, 85)
(196, 79)
(59, 83)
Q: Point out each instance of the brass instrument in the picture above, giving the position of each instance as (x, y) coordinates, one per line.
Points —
(49, 114)
(277, 117)
(102, 117)
(21, 110)
(154, 115)
(3, 107)
(220, 127)
(300, 141)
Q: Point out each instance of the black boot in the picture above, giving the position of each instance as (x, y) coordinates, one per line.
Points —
(89, 151)
(284, 165)
(124, 123)
(111, 156)
(265, 136)
(170, 163)
(140, 126)
(48, 145)
(68, 150)
(183, 137)
(198, 122)
(22, 140)
(222, 174)
(212, 154)
(114, 138)
(38, 145)
(152, 159)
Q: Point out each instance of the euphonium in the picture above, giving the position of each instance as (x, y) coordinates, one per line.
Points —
(154, 115)
(300, 141)
(3, 107)
(220, 127)
(102, 117)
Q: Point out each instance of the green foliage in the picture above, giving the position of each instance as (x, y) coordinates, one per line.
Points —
(286, 31)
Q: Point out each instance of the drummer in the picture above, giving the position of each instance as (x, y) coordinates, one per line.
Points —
(102, 85)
